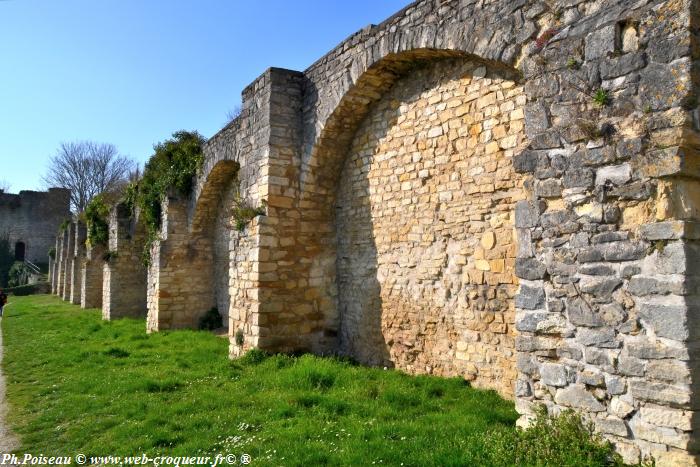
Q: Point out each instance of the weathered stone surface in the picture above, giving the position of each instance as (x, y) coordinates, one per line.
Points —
(582, 314)
(536, 119)
(669, 370)
(663, 393)
(600, 43)
(601, 337)
(576, 396)
(667, 316)
(663, 416)
(650, 350)
(590, 378)
(578, 178)
(644, 285)
(630, 366)
(620, 407)
(600, 286)
(553, 374)
(615, 384)
(611, 425)
(541, 322)
(669, 230)
(530, 298)
(529, 268)
(614, 67)
(617, 175)
(526, 214)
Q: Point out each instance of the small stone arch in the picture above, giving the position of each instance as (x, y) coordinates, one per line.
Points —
(207, 195)
(190, 262)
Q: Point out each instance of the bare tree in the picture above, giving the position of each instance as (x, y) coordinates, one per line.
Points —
(87, 169)
(4, 186)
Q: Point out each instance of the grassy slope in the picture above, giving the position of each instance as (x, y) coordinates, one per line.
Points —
(81, 385)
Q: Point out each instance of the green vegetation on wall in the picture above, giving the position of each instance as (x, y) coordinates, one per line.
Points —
(172, 167)
(243, 212)
(97, 221)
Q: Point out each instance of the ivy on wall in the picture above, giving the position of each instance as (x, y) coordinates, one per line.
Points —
(96, 219)
(172, 166)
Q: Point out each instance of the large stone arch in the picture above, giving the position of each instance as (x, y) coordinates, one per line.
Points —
(338, 92)
(189, 269)
(425, 201)
(329, 273)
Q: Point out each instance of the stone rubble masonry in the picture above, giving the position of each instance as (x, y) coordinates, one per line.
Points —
(91, 277)
(77, 262)
(443, 195)
(33, 218)
(425, 200)
(124, 275)
(180, 274)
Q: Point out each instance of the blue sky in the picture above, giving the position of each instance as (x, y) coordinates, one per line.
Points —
(131, 72)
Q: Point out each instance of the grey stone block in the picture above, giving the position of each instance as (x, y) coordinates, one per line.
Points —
(529, 268)
(667, 320)
(581, 313)
(664, 393)
(530, 298)
(553, 374)
(576, 396)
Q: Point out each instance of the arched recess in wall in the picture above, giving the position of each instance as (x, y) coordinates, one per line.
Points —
(413, 178)
(20, 251)
(210, 224)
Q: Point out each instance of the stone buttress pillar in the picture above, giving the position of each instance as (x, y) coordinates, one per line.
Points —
(77, 262)
(91, 277)
(180, 274)
(124, 280)
(68, 262)
(60, 268)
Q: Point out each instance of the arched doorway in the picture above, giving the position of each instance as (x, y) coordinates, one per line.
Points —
(20, 249)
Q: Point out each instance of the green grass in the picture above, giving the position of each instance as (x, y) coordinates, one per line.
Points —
(77, 384)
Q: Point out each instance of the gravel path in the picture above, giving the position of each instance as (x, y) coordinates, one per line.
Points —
(7, 441)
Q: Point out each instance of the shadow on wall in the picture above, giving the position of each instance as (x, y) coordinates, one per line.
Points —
(425, 247)
(359, 300)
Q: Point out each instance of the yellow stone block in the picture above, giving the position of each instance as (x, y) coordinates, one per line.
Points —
(476, 276)
(497, 265)
(488, 240)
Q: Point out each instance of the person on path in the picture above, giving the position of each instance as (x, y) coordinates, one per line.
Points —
(3, 301)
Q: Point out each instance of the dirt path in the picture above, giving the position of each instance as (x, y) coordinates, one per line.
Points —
(7, 441)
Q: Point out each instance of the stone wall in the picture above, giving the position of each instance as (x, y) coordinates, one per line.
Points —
(124, 275)
(77, 260)
(181, 286)
(603, 312)
(505, 191)
(68, 253)
(33, 218)
(91, 277)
